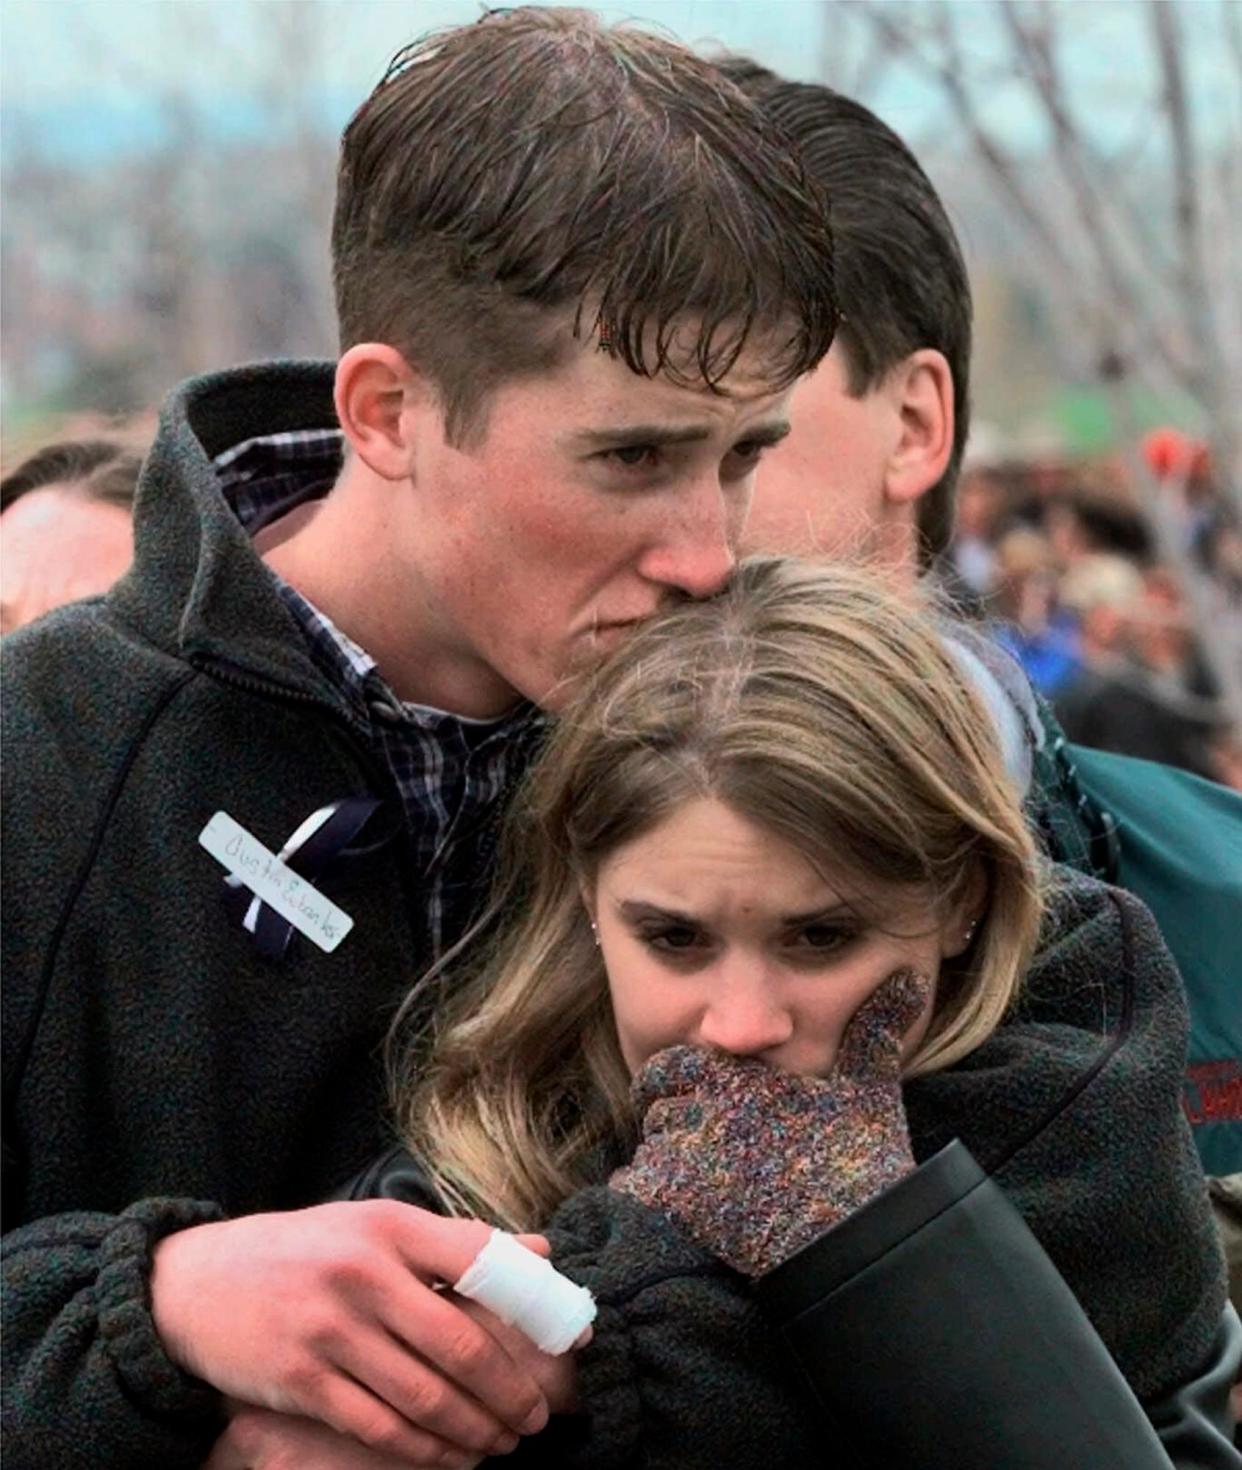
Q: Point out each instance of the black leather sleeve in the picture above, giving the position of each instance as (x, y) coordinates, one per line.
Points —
(393, 1175)
(931, 1327)
(934, 1331)
(1195, 1423)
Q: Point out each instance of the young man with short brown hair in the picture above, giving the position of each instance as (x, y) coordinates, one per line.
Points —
(572, 308)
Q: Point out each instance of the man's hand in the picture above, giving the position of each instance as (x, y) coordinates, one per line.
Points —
(329, 1313)
(261, 1439)
(557, 1376)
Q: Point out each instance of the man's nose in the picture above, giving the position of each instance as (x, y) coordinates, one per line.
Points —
(746, 1019)
(698, 549)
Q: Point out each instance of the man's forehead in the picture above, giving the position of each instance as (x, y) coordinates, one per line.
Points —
(678, 389)
(675, 353)
(758, 370)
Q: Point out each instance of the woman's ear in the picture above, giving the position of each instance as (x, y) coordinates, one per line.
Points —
(586, 892)
(958, 932)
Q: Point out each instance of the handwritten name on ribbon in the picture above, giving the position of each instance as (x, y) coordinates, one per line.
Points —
(274, 884)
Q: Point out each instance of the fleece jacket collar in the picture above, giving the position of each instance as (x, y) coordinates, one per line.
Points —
(198, 588)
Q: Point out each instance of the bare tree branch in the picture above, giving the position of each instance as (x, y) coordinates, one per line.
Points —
(1231, 24)
(1191, 272)
(1129, 326)
(988, 147)
(1036, 44)
(1149, 310)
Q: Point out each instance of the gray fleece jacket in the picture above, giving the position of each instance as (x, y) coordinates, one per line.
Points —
(158, 1071)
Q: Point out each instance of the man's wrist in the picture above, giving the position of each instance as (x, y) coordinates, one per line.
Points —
(127, 1321)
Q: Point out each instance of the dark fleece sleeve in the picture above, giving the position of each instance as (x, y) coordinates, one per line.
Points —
(86, 1380)
(680, 1373)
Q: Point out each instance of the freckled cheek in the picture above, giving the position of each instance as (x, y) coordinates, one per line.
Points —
(576, 531)
(548, 561)
(550, 518)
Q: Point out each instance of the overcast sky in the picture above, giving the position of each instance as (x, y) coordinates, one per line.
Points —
(85, 67)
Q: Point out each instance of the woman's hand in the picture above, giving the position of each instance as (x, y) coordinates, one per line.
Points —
(754, 1163)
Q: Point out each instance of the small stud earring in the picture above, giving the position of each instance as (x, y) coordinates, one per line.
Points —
(594, 933)
(970, 931)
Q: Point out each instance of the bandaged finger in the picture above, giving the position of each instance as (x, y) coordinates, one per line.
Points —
(528, 1293)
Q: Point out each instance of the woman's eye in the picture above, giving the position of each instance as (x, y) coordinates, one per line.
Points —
(678, 937)
(750, 451)
(823, 938)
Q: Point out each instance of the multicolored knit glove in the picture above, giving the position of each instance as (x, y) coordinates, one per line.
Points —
(754, 1163)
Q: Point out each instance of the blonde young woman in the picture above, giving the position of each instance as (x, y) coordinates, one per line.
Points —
(777, 1019)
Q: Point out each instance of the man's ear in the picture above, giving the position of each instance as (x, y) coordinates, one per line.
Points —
(379, 400)
(921, 391)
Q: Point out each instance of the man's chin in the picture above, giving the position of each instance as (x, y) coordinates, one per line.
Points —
(587, 653)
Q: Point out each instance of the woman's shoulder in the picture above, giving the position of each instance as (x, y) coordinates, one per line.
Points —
(1096, 1036)
(1099, 961)
(1074, 1106)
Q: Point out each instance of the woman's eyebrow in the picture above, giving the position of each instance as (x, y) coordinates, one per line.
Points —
(634, 908)
(827, 913)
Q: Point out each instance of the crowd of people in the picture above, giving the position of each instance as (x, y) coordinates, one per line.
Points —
(530, 779)
(1070, 572)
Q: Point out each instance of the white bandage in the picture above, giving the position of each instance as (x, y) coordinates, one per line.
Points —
(528, 1293)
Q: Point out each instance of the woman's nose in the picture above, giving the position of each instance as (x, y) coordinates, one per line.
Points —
(746, 1021)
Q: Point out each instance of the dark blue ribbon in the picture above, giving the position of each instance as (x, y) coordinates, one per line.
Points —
(312, 848)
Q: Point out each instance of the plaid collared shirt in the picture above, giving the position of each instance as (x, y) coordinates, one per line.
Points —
(450, 771)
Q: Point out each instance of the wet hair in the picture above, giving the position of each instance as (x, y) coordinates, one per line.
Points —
(816, 704)
(536, 178)
(901, 280)
(97, 469)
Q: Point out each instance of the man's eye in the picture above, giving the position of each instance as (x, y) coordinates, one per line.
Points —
(634, 456)
(743, 459)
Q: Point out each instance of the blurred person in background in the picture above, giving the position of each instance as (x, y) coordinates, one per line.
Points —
(1029, 620)
(982, 505)
(1129, 693)
(1103, 594)
(1161, 702)
(1220, 548)
(1182, 466)
(1078, 525)
(66, 526)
